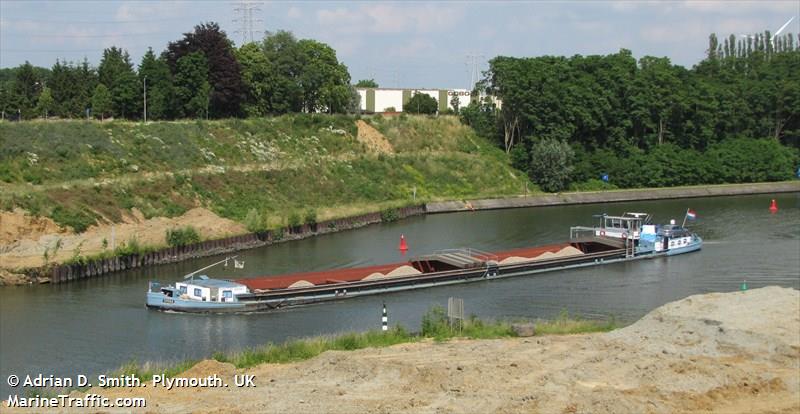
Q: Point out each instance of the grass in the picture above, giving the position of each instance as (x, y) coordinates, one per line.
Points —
(566, 325)
(86, 172)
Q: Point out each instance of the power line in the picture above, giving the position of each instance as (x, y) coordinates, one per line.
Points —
(90, 21)
(245, 9)
(472, 60)
(87, 36)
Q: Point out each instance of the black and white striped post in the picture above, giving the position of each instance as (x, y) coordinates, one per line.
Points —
(384, 320)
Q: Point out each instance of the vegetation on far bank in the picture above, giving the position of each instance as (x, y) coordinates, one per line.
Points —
(732, 118)
(261, 172)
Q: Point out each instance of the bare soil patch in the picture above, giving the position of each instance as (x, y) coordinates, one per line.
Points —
(373, 139)
(23, 245)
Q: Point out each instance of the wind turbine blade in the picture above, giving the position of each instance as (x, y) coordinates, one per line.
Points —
(782, 27)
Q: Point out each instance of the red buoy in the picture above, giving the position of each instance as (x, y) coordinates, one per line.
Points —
(773, 207)
(403, 246)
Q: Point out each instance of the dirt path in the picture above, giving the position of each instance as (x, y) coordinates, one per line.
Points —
(718, 353)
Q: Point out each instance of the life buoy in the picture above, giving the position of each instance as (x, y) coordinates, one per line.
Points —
(624, 235)
(602, 232)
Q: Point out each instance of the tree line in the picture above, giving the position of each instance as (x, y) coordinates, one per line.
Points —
(202, 75)
(573, 119)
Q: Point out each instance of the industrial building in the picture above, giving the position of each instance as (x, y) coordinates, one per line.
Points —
(376, 100)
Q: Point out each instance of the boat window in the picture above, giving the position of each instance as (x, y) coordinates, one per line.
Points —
(198, 292)
(183, 290)
(227, 294)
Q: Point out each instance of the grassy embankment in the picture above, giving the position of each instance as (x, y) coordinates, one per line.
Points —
(435, 326)
(80, 172)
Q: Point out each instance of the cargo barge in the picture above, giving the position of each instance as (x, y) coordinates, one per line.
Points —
(617, 238)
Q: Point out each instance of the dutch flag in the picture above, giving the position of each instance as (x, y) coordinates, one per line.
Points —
(690, 214)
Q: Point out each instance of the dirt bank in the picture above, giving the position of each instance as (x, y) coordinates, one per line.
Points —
(26, 238)
(719, 353)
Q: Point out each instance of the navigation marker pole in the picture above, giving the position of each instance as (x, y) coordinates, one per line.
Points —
(384, 320)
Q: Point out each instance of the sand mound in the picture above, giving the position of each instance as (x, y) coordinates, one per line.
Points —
(301, 284)
(718, 324)
(373, 139)
(565, 252)
(515, 259)
(376, 275)
(568, 251)
(404, 270)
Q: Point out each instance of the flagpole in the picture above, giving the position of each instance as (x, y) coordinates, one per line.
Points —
(684, 218)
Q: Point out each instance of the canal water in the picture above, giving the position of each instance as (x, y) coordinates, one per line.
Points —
(93, 326)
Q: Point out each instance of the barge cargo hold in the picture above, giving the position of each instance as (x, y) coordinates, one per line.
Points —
(617, 238)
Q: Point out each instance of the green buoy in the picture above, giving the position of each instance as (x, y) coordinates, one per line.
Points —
(744, 285)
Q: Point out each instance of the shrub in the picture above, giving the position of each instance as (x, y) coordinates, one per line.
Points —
(310, 217)
(421, 103)
(390, 215)
(435, 323)
(182, 237)
(551, 164)
(294, 219)
(254, 221)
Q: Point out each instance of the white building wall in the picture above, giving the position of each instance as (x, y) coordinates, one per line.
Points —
(464, 97)
(385, 98)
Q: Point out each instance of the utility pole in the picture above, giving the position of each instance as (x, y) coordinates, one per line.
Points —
(145, 99)
(245, 10)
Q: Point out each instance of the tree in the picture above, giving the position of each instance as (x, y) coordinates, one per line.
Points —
(367, 83)
(159, 85)
(116, 73)
(285, 63)
(354, 103)
(224, 71)
(455, 102)
(323, 80)
(26, 89)
(421, 103)
(44, 105)
(551, 164)
(257, 77)
(192, 89)
(101, 101)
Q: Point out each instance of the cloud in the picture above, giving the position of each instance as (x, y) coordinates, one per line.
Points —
(149, 10)
(414, 48)
(739, 7)
(391, 18)
(294, 13)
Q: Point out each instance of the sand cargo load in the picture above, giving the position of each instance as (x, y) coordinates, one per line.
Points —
(617, 238)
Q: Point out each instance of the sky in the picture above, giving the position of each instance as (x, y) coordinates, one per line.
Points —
(413, 44)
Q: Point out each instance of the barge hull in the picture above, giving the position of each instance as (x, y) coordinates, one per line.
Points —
(259, 302)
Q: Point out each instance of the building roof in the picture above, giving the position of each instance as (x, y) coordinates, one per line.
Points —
(213, 283)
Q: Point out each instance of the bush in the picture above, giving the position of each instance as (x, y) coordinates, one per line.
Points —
(294, 219)
(421, 104)
(254, 221)
(182, 237)
(310, 217)
(435, 323)
(551, 164)
(390, 215)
